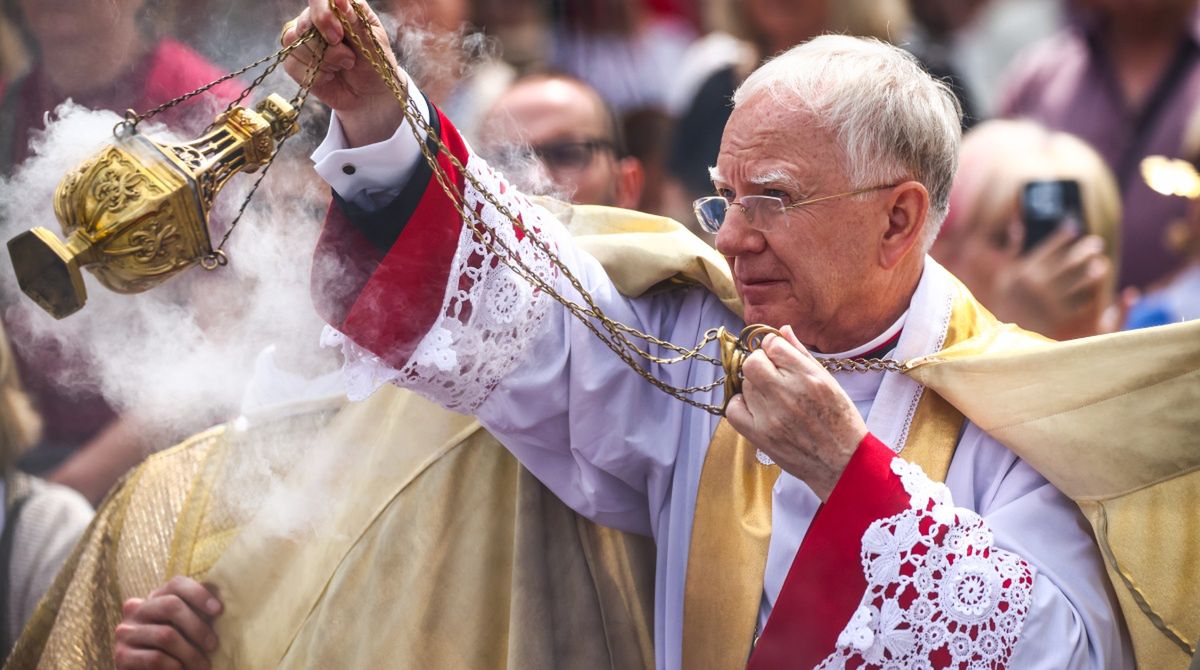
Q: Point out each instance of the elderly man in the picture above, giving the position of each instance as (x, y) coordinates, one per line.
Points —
(832, 178)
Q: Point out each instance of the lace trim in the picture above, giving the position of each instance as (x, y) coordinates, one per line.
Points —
(489, 315)
(939, 594)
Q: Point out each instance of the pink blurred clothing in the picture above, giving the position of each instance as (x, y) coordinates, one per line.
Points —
(1069, 83)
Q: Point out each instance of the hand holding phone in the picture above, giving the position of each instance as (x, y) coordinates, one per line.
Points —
(1045, 205)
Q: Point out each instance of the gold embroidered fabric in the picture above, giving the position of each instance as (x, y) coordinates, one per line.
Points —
(731, 530)
(121, 555)
(456, 557)
(1112, 421)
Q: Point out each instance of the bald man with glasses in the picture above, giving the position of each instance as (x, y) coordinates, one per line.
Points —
(575, 136)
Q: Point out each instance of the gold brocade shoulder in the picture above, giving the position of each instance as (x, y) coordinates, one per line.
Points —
(73, 625)
(159, 520)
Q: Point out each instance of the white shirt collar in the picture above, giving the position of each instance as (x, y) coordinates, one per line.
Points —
(875, 343)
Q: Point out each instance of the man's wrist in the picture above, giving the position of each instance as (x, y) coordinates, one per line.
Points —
(372, 124)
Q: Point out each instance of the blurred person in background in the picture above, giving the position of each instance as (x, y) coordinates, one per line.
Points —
(1123, 76)
(14, 59)
(620, 47)
(41, 521)
(762, 28)
(1179, 179)
(630, 51)
(103, 54)
(1063, 287)
(449, 58)
(574, 135)
(931, 38)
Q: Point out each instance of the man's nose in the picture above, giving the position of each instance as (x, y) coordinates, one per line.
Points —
(736, 237)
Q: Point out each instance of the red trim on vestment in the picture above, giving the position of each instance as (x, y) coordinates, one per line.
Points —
(825, 583)
(400, 299)
(882, 349)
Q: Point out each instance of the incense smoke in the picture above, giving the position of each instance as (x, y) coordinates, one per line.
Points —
(192, 352)
(180, 357)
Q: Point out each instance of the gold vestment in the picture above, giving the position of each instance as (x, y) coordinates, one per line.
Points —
(1112, 421)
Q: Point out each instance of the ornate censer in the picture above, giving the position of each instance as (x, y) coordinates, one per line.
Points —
(136, 213)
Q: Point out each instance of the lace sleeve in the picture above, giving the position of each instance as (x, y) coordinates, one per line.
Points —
(939, 594)
(488, 317)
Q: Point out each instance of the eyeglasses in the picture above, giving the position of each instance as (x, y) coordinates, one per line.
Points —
(570, 155)
(763, 212)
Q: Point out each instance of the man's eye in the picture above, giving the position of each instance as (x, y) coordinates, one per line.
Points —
(776, 193)
(725, 193)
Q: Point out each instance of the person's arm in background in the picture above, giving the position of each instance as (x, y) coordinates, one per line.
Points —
(96, 466)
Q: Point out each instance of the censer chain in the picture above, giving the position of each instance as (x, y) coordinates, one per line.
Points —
(297, 102)
(495, 245)
(133, 118)
(616, 336)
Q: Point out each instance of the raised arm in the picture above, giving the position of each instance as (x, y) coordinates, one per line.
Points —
(416, 297)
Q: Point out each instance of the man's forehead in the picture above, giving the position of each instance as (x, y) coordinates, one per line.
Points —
(546, 109)
(765, 140)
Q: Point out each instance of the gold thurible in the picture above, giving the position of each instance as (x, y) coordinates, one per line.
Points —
(136, 213)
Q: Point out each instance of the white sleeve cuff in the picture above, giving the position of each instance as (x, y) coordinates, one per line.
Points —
(373, 175)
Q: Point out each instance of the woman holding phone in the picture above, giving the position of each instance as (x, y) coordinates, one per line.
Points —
(1033, 229)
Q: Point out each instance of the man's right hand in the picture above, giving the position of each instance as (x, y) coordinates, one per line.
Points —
(347, 82)
(170, 628)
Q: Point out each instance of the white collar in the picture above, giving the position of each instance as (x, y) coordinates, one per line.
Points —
(875, 343)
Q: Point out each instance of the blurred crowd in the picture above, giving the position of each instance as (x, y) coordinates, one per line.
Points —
(1054, 222)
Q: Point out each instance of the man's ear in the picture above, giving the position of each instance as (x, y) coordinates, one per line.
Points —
(907, 207)
(631, 179)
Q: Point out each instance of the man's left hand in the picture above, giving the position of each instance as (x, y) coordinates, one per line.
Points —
(794, 411)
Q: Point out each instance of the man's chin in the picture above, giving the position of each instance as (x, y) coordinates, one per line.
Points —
(762, 314)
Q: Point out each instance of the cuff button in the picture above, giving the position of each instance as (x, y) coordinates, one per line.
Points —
(349, 169)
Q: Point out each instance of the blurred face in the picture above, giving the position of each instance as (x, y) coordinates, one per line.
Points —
(568, 129)
(816, 268)
(980, 243)
(53, 21)
(446, 15)
(1134, 9)
(785, 23)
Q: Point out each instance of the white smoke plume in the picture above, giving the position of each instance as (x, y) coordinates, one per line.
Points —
(179, 357)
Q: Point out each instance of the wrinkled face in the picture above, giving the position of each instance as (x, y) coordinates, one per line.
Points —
(566, 125)
(812, 269)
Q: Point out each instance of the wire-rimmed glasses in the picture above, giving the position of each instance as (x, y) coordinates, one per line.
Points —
(762, 212)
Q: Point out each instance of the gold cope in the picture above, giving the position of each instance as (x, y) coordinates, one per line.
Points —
(136, 213)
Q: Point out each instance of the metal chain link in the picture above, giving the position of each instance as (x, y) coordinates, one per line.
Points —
(218, 258)
(134, 118)
(617, 335)
(297, 102)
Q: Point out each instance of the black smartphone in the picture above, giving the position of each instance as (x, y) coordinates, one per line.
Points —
(1045, 205)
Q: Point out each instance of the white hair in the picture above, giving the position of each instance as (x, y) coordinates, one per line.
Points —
(890, 117)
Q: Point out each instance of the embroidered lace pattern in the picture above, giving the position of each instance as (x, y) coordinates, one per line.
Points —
(939, 595)
(489, 315)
